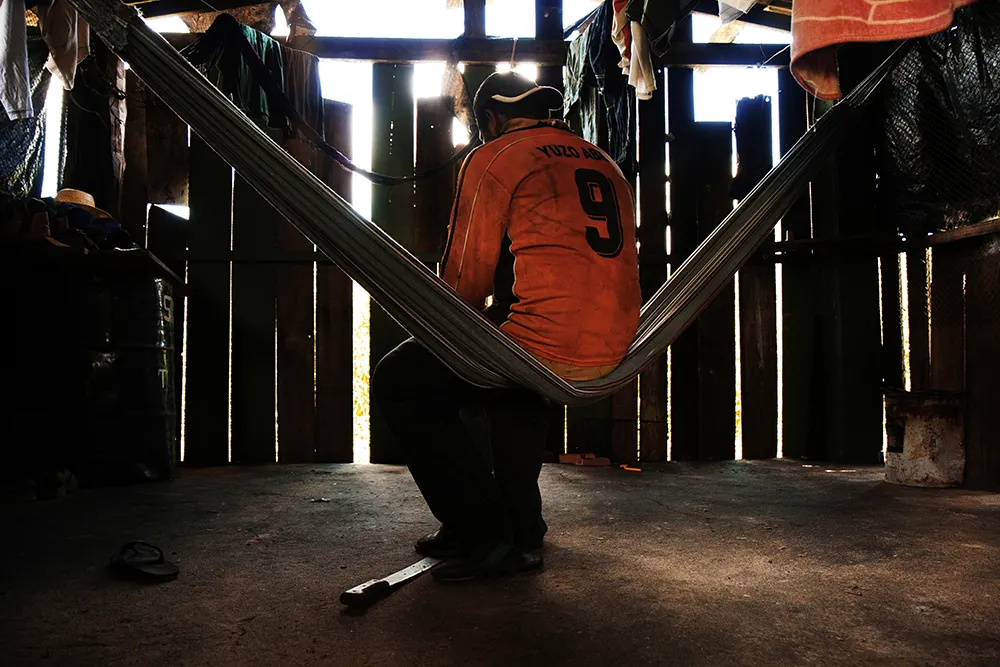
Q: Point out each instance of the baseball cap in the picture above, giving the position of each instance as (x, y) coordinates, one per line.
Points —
(510, 88)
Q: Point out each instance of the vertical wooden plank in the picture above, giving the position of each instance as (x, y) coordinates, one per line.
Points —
(296, 384)
(683, 147)
(624, 417)
(851, 423)
(797, 280)
(433, 195)
(652, 234)
(758, 298)
(916, 295)
(948, 319)
(135, 180)
(255, 237)
(717, 324)
(167, 141)
(335, 320)
(549, 25)
(392, 210)
(892, 329)
(982, 449)
(168, 240)
(207, 398)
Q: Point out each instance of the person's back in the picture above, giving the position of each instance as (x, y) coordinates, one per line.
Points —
(544, 223)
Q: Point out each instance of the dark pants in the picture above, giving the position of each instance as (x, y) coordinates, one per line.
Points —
(474, 453)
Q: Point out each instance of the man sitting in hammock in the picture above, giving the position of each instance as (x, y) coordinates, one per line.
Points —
(543, 233)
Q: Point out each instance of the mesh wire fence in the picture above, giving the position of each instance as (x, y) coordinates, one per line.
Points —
(942, 126)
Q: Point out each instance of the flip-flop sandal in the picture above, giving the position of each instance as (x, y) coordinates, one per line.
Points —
(143, 562)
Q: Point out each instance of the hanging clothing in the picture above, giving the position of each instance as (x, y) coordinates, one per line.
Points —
(303, 87)
(621, 32)
(818, 27)
(22, 141)
(545, 224)
(218, 55)
(68, 39)
(15, 84)
(619, 105)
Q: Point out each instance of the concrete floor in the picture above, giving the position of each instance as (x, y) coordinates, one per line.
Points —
(766, 563)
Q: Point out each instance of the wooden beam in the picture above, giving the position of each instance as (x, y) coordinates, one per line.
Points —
(335, 321)
(402, 50)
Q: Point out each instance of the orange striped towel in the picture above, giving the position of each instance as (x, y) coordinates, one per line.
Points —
(819, 26)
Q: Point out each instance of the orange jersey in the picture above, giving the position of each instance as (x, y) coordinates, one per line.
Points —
(557, 213)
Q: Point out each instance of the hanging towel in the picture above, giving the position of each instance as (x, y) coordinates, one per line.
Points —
(640, 74)
(819, 26)
(15, 85)
(68, 39)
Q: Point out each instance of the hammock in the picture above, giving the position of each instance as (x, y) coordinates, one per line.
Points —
(414, 296)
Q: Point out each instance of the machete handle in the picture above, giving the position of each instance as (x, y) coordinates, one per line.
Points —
(364, 594)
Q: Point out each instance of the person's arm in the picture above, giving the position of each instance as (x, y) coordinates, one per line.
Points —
(475, 235)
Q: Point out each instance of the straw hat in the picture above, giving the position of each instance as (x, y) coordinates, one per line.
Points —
(84, 200)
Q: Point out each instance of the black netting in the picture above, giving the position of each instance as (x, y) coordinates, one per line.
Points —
(22, 142)
(943, 126)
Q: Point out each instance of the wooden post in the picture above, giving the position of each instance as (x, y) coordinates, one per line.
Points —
(207, 396)
(797, 289)
(982, 455)
(683, 147)
(758, 298)
(433, 196)
(255, 237)
(392, 210)
(717, 324)
(948, 319)
(335, 321)
(135, 182)
(296, 385)
(653, 264)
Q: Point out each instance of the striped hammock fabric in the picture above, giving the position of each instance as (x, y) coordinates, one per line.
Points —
(414, 296)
